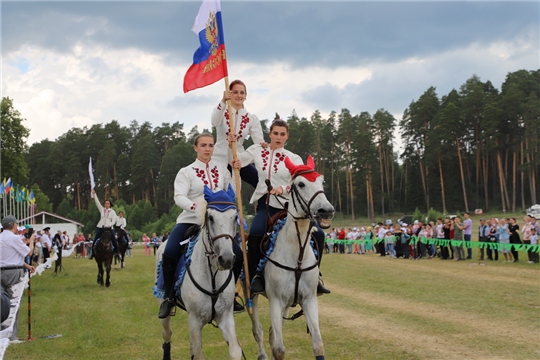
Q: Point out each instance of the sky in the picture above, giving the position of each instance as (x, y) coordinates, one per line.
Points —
(73, 64)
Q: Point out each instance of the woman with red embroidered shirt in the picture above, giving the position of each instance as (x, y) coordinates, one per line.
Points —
(271, 166)
(245, 123)
(188, 188)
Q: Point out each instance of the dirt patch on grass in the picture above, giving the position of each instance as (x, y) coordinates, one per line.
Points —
(424, 346)
(470, 323)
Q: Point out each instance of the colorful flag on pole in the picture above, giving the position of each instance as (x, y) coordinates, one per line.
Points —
(2, 187)
(209, 61)
(7, 187)
(32, 197)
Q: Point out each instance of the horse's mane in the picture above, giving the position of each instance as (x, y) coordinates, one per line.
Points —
(200, 209)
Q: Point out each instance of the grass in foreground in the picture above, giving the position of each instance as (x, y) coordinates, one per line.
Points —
(380, 308)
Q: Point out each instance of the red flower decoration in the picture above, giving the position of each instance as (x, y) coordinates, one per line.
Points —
(201, 175)
(278, 157)
(243, 124)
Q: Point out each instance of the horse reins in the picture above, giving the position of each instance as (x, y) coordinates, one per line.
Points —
(214, 294)
(298, 270)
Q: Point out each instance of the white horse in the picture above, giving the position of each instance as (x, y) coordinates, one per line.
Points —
(291, 273)
(208, 293)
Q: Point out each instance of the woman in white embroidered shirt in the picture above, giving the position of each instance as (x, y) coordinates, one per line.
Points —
(107, 221)
(188, 187)
(245, 124)
(270, 166)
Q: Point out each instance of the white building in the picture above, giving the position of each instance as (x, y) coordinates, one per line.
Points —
(45, 219)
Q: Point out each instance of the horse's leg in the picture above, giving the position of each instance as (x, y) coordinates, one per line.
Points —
(226, 326)
(100, 273)
(256, 327)
(108, 281)
(277, 312)
(195, 336)
(167, 334)
(311, 311)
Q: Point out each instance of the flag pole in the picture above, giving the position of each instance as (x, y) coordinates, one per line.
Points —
(239, 200)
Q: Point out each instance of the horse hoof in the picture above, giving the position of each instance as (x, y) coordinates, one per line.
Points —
(108, 284)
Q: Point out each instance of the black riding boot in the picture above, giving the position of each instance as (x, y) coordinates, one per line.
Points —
(237, 269)
(168, 267)
(320, 287)
(254, 256)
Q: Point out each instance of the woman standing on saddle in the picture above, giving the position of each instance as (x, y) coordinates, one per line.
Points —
(188, 188)
(107, 221)
(245, 124)
(270, 166)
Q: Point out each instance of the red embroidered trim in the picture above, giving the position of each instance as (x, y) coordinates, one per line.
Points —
(215, 176)
(243, 124)
(264, 157)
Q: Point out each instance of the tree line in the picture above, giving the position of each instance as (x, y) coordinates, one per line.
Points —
(475, 147)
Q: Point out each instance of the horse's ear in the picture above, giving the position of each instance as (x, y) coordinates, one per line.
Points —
(310, 162)
(230, 192)
(290, 165)
(207, 193)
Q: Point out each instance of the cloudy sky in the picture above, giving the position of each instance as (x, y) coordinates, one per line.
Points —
(73, 64)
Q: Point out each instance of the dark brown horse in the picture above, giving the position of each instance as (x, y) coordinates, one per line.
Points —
(122, 247)
(104, 256)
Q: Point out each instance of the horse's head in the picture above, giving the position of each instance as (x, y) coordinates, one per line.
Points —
(220, 225)
(105, 237)
(307, 193)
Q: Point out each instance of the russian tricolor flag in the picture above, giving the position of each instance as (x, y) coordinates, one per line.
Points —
(209, 62)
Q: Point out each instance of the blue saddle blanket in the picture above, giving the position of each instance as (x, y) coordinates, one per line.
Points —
(185, 259)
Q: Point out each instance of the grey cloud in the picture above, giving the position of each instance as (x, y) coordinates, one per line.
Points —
(300, 33)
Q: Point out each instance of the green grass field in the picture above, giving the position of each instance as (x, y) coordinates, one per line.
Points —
(380, 308)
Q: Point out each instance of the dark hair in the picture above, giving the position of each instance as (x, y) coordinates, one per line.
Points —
(238, 82)
(109, 200)
(204, 134)
(279, 122)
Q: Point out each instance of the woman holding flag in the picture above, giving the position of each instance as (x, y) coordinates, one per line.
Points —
(245, 124)
(107, 221)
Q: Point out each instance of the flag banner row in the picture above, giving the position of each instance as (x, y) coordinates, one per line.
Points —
(16, 200)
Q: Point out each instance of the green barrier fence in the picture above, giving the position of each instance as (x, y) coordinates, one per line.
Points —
(442, 242)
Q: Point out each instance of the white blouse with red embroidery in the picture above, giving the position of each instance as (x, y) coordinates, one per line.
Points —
(189, 186)
(245, 124)
(270, 165)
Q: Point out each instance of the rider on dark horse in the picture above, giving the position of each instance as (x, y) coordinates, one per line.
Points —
(120, 226)
(107, 221)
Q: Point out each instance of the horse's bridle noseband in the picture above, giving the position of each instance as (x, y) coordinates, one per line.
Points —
(295, 194)
(213, 239)
(214, 294)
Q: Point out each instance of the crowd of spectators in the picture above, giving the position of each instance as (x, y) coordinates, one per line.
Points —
(446, 239)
